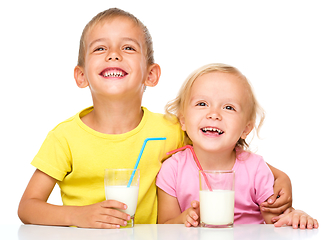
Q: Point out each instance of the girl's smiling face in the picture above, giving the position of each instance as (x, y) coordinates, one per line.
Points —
(217, 112)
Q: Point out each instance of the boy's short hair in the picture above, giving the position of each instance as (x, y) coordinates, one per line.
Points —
(109, 14)
(176, 107)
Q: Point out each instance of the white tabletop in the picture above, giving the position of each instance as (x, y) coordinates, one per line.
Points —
(158, 232)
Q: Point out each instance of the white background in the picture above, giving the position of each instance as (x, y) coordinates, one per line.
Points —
(280, 46)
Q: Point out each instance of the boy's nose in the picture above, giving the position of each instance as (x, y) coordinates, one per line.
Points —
(114, 56)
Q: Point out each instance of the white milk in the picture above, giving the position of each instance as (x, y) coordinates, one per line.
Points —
(124, 194)
(217, 207)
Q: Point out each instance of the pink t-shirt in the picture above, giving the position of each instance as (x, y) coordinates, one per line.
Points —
(179, 177)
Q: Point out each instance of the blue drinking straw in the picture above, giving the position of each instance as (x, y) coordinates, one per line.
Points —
(139, 157)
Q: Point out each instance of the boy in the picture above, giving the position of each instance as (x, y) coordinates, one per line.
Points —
(116, 63)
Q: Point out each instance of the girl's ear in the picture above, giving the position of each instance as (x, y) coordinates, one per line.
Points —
(80, 77)
(182, 122)
(248, 128)
(153, 75)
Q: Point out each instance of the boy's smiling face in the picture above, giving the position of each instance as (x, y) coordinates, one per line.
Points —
(115, 59)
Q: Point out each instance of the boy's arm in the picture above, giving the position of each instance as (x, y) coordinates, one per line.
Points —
(267, 216)
(282, 197)
(291, 217)
(169, 211)
(296, 218)
(34, 209)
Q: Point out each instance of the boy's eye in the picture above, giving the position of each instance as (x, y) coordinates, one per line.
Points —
(229, 108)
(129, 48)
(99, 49)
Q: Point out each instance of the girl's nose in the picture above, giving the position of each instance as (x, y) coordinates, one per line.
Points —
(214, 115)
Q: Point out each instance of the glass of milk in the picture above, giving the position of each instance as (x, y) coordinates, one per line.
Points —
(116, 187)
(217, 206)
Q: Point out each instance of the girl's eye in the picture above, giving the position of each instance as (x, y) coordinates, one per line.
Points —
(129, 49)
(229, 108)
(201, 104)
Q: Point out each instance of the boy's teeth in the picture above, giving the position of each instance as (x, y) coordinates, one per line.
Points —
(113, 74)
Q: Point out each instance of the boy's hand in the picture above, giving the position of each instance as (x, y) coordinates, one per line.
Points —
(101, 215)
(280, 200)
(296, 218)
(192, 215)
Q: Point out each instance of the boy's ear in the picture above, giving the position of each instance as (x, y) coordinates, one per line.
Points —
(153, 75)
(248, 128)
(80, 77)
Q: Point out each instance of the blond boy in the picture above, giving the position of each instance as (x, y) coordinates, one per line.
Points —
(116, 63)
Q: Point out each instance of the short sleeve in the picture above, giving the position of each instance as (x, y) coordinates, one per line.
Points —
(166, 178)
(53, 157)
(264, 182)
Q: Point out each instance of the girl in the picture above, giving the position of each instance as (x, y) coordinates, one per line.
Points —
(217, 109)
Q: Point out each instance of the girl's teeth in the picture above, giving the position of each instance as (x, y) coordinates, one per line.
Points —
(212, 130)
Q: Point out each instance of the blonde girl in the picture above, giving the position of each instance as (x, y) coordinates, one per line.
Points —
(217, 109)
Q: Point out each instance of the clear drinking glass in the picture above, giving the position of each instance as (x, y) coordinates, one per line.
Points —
(116, 183)
(217, 206)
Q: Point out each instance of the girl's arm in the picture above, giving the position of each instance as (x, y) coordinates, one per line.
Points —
(34, 209)
(282, 197)
(170, 212)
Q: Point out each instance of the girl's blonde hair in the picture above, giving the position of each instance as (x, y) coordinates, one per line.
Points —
(176, 107)
(110, 14)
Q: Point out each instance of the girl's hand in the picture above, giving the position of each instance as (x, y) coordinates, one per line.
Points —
(192, 215)
(101, 215)
(296, 218)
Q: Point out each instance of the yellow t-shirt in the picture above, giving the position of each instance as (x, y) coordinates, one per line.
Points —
(77, 155)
